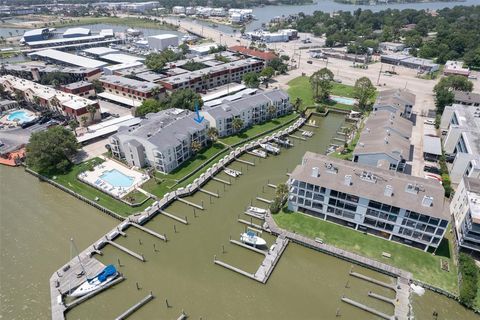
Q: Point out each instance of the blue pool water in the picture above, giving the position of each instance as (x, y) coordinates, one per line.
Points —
(344, 100)
(20, 115)
(117, 179)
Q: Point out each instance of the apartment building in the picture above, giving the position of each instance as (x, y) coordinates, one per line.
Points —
(38, 70)
(461, 126)
(393, 100)
(467, 98)
(80, 88)
(212, 77)
(128, 91)
(70, 105)
(398, 207)
(162, 140)
(253, 109)
(384, 141)
(465, 209)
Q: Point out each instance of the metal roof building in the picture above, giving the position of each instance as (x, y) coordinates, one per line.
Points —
(67, 59)
(76, 32)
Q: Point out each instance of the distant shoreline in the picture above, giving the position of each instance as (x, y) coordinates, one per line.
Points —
(387, 2)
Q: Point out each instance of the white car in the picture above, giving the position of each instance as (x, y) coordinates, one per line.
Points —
(429, 121)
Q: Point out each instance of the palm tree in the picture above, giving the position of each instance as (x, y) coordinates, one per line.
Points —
(196, 146)
(18, 95)
(282, 191)
(55, 83)
(297, 104)
(271, 110)
(155, 92)
(212, 134)
(237, 124)
(73, 125)
(92, 110)
(84, 120)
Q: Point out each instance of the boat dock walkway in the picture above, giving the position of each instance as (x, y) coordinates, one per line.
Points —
(255, 154)
(245, 162)
(165, 213)
(250, 224)
(216, 195)
(368, 309)
(126, 250)
(151, 232)
(374, 281)
(135, 307)
(264, 200)
(381, 298)
(222, 181)
(297, 137)
(271, 185)
(255, 215)
(198, 206)
(246, 246)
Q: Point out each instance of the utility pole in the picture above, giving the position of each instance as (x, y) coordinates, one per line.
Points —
(379, 73)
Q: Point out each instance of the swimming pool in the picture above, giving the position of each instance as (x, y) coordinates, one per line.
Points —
(117, 178)
(344, 100)
(20, 115)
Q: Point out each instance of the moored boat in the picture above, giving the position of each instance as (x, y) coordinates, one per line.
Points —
(257, 210)
(105, 276)
(251, 238)
(232, 173)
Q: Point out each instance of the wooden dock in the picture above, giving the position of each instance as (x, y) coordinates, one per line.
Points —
(135, 307)
(254, 154)
(246, 246)
(264, 200)
(271, 185)
(190, 203)
(297, 137)
(174, 217)
(216, 195)
(374, 281)
(381, 298)
(245, 162)
(367, 308)
(127, 251)
(255, 215)
(250, 224)
(222, 181)
(150, 232)
(76, 302)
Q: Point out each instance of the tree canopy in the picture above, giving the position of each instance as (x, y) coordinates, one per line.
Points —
(181, 99)
(156, 61)
(321, 82)
(251, 79)
(364, 92)
(443, 90)
(51, 151)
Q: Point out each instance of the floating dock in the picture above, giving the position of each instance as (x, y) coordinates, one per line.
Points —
(367, 308)
(190, 203)
(255, 215)
(174, 217)
(216, 195)
(245, 162)
(246, 246)
(250, 223)
(297, 137)
(135, 307)
(127, 251)
(222, 181)
(150, 232)
(374, 281)
(264, 200)
(76, 302)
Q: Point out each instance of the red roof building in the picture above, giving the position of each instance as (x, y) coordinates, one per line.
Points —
(264, 55)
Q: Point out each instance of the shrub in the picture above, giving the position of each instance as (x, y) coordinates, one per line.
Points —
(321, 109)
(276, 205)
(469, 279)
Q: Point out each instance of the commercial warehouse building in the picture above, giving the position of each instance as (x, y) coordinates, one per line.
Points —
(465, 209)
(36, 35)
(162, 41)
(420, 64)
(388, 204)
(76, 32)
(64, 58)
(70, 105)
(461, 125)
(162, 140)
(253, 109)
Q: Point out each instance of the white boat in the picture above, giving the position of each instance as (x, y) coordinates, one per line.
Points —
(259, 153)
(251, 238)
(257, 210)
(232, 173)
(307, 133)
(270, 148)
(133, 32)
(105, 276)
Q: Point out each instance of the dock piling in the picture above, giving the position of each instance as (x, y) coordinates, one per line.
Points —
(138, 286)
(175, 228)
(140, 241)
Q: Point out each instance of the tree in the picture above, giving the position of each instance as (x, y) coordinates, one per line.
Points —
(469, 279)
(156, 91)
(196, 146)
(275, 206)
(321, 82)
(184, 99)
(444, 90)
(364, 91)
(73, 124)
(281, 191)
(84, 120)
(237, 124)
(50, 151)
(271, 110)
(92, 110)
(156, 61)
(212, 134)
(148, 106)
(251, 79)
(278, 65)
(97, 86)
(297, 103)
(267, 72)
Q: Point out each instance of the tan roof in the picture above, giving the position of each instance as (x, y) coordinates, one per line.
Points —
(391, 121)
(395, 97)
(419, 192)
(378, 141)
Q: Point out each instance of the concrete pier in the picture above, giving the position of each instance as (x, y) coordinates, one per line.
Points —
(271, 185)
(190, 203)
(254, 154)
(238, 270)
(245, 162)
(222, 181)
(374, 281)
(264, 200)
(297, 137)
(126, 250)
(246, 246)
(381, 298)
(271, 259)
(151, 232)
(250, 224)
(76, 302)
(216, 195)
(367, 308)
(135, 307)
(255, 215)
(165, 213)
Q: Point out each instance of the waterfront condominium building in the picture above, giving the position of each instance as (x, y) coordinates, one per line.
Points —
(384, 141)
(129, 91)
(253, 109)
(70, 105)
(39, 70)
(212, 77)
(395, 100)
(461, 126)
(465, 209)
(162, 140)
(392, 205)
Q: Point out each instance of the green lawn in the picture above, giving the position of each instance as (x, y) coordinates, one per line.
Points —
(70, 181)
(258, 129)
(129, 21)
(135, 197)
(343, 90)
(424, 266)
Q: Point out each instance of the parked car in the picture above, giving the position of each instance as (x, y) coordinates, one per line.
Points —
(429, 121)
(309, 61)
(337, 80)
(449, 158)
(432, 169)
